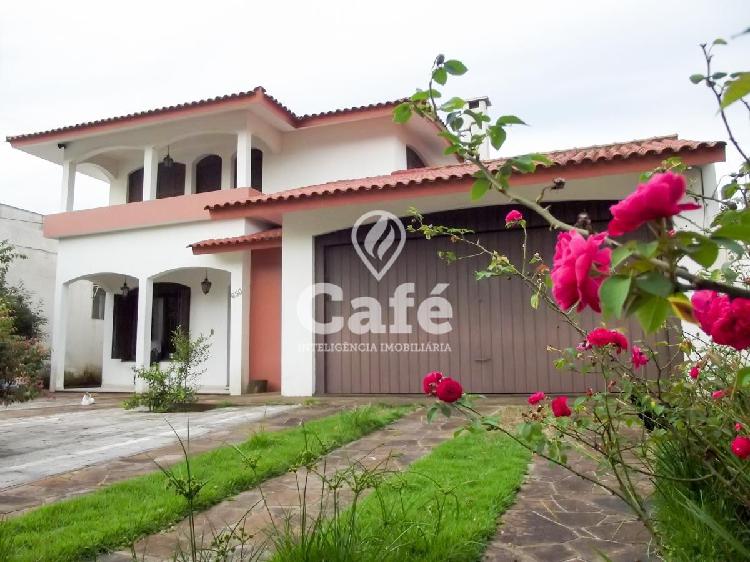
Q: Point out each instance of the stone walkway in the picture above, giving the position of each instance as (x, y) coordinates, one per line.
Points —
(16, 500)
(399, 445)
(560, 517)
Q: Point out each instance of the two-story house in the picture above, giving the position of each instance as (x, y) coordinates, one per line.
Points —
(224, 213)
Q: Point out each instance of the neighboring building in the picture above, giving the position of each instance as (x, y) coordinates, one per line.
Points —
(241, 193)
(36, 274)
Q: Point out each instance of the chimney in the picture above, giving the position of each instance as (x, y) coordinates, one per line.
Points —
(480, 104)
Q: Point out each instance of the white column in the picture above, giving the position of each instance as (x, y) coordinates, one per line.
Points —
(109, 308)
(244, 159)
(190, 179)
(143, 334)
(150, 172)
(239, 326)
(297, 276)
(68, 185)
(59, 333)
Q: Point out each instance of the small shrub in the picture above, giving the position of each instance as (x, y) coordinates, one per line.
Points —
(175, 385)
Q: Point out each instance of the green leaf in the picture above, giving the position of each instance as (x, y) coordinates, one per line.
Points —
(704, 252)
(743, 377)
(729, 190)
(402, 113)
(736, 89)
(453, 104)
(613, 293)
(497, 136)
(719, 41)
(509, 120)
(737, 231)
(652, 313)
(654, 283)
(647, 249)
(455, 67)
(535, 301)
(479, 188)
(540, 158)
(440, 76)
(620, 254)
(697, 78)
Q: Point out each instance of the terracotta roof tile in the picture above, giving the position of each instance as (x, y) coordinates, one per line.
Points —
(656, 146)
(296, 120)
(245, 241)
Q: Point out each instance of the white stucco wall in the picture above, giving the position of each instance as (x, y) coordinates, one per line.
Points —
(300, 228)
(162, 254)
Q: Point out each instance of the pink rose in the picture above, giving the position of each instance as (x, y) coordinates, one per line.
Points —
(738, 427)
(726, 320)
(741, 447)
(536, 398)
(513, 217)
(559, 407)
(579, 268)
(638, 358)
(718, 394)
(429, 382)
(449, 390)
(695, 372)
(657, 198)
(599, 337)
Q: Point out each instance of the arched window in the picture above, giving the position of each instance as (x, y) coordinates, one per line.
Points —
(170, 181)
(208, 174)
(256, 170)
(135, 186)
(413, 160)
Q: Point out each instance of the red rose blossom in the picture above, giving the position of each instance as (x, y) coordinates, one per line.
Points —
(695, 372)
(741, 447)
(718, 394)
(599, 337)
(579, 268)
(430, 381)
(658, 198)
(536, 398)
(738, 427)
(449, 390)
(726, 320)
(638, 358)
(559, 407)
(513, 217)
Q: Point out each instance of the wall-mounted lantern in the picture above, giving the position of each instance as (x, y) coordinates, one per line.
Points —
(206, 284)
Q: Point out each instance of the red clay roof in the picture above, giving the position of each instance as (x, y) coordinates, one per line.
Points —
(264, 239)
(655, 146)
(259, 92)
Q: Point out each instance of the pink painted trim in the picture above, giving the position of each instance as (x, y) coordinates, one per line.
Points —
(275, 209)
(173, 210)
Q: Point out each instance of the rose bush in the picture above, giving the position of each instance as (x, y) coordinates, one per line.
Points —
(671, 412)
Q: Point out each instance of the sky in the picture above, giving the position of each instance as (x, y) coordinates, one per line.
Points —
(580, 73)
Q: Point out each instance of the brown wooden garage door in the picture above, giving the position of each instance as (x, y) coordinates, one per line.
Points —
(498, 343)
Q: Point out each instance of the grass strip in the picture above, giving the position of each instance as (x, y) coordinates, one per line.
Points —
(445, 507)
(116, 516)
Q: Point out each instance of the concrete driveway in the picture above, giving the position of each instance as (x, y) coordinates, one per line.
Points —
(33, 447)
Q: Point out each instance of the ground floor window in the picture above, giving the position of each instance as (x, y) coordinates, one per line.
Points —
(171, 308)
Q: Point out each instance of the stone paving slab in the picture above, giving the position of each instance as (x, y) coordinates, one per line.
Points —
(560, 517)
(37, 447)
(18, 499)
(400, 444)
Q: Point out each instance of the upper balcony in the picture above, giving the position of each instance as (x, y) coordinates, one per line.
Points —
(166, 165)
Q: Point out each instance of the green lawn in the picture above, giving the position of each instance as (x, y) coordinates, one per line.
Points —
(119, 514)
(444, 508)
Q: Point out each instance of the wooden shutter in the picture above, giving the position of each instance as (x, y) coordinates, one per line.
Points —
(170, 181)
(135, 186)
(125, 326)
(256, 169)
(208, 174)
